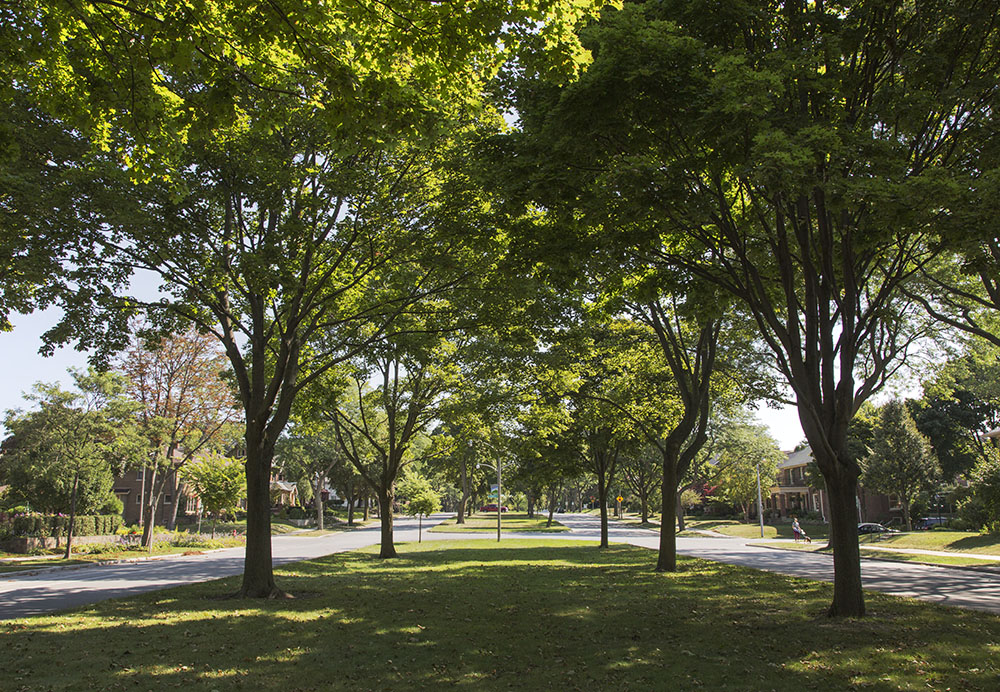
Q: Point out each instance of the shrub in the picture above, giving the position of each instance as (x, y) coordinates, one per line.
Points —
(56, 526)
(296, 513)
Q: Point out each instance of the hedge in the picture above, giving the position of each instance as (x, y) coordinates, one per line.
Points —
(42, 526)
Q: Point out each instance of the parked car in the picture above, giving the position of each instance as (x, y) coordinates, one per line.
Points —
(871, 527)
(931, 522)
(493, 508)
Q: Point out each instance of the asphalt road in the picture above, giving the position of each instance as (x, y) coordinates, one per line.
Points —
(58, 589)
(54, 590)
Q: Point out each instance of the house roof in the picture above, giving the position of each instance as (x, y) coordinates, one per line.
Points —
(799, 457)
(284, 486)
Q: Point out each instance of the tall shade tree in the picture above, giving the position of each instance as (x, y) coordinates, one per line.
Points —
(63, 457)
(184, 408)
(901, 460)
(798, 155)
(260, 160)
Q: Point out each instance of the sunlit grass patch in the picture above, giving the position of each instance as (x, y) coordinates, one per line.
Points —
(521, 615)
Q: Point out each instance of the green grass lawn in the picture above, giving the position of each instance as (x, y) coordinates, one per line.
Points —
(527, 615)
(731, 527)
(958, 541)
(871, 550)
(510, 521)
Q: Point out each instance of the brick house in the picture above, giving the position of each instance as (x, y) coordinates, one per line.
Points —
(134, 486)
(792, 494)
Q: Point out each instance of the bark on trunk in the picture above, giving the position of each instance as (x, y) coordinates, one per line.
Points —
(848, 598)
(680, 514)
(667, 559)
(367, 515)
(72, 515)
(388, 549)
(258, 572)
(602, 496)
(318, 499)
(466, 492)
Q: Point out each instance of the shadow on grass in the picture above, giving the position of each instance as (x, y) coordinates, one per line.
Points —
(522, 616)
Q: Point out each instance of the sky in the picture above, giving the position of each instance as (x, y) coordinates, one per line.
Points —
(21, 366)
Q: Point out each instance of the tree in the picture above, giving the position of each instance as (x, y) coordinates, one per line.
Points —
(63, 457)
(960, 403)
(421, 499)
(185, 408)
(744, 451)
(778, 162)
(310, 455)
(264, 164)
(376, 428)
(641, 471)
(901, 461)
(220, 482)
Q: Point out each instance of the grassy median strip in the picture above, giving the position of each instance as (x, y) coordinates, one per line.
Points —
(485, 522)
(522, 615)
(867, 551)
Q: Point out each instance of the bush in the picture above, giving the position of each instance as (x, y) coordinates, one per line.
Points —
(56, 526)
(296, 513)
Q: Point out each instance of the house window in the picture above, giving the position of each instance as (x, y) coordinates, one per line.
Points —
(138, 500)
(138, 475)
(168, 499)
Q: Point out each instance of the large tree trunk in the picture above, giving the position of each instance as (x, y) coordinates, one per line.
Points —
(367, 514)
(388, 548)
(602, 496)
(848, 598)
(258, 571)
(667, 558)
(466, 492)
(351, 498)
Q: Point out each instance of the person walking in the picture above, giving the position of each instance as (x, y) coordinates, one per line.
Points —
(797, 531)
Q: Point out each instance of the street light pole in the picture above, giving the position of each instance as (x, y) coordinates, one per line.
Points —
(499, 504)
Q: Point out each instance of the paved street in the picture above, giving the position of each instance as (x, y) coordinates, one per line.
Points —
(58, 589)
